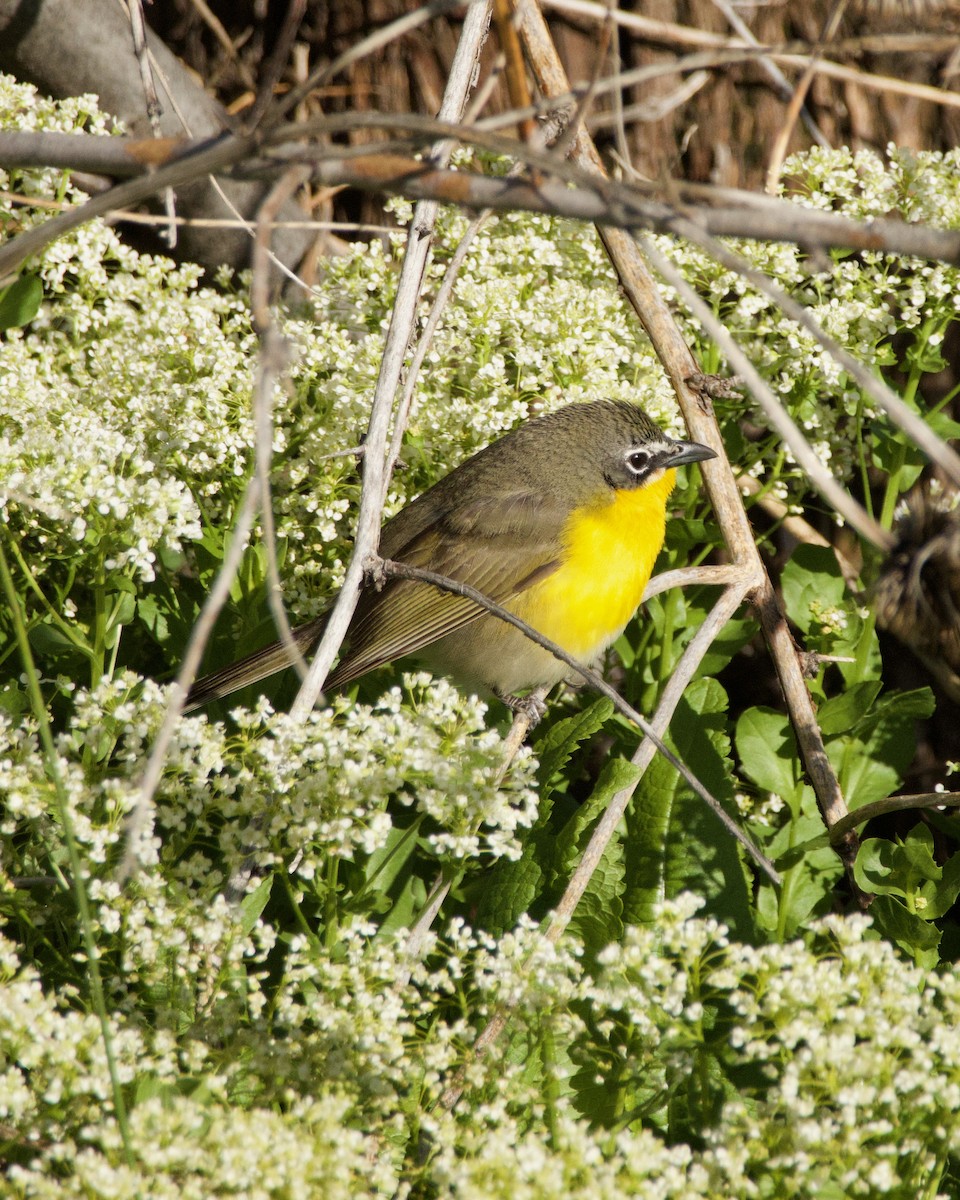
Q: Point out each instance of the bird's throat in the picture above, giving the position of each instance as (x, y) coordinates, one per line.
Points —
(609, 552)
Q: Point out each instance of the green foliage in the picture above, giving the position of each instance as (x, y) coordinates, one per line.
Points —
(20, 301)
(288, 1044)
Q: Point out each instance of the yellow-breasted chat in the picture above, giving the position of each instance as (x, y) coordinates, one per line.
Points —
(560, 522)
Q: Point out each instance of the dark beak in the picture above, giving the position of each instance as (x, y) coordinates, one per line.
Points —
(689, 452)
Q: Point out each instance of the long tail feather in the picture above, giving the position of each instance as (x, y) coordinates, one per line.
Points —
(260, 665)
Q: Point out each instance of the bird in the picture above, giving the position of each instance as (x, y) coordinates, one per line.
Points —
(559, 521)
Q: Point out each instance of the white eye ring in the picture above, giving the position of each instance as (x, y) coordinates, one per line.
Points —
(638, 461)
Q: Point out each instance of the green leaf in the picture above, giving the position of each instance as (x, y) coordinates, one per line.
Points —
(674, 842)
(253, 904)
(598, 919)
(841, 713)
(20, 302)
(918, 938)
(940, 896)
(618, 773)
(768, 751)
(49, 640)
(908, 869)
(558, 744)
(871, 762)
(154, 617)
(388, 862)
(737, 632)
(811, 579)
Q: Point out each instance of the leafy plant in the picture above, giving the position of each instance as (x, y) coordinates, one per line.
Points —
(290, 1044)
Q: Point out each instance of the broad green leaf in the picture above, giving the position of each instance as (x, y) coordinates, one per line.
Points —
(811, 579)
(511, 887)
(809, 869)
(616, 775)
(598, 918)
(880, 869)
(940, 896)
(768, 751)
(917, 938)
(388, 862)
(870, 763)
(841, 713)
(909, 870)
(20, 302)
(674, 842)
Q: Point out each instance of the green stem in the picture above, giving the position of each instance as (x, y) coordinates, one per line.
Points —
(98, 648)
(551, 1089)
(77, 866)
(331, 918)
(301, 920)
(69, 631)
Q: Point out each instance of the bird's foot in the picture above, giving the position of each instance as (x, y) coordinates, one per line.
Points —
(531, 707)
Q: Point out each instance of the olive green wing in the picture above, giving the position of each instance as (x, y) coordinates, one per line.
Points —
(499, 546)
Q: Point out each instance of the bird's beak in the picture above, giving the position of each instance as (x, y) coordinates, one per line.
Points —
(689, 452)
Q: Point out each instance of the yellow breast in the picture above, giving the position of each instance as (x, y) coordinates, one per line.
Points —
(610, 549)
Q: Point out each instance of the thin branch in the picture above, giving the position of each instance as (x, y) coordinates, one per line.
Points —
(676, 209)
(276, 348)
(910, 422)
(680, 677)
(272, 69)
(272, 363)
(779, 151)
(704, 576)
(215, 156)
(398, 337)
(557, 922)
(199, 635)
(772, 71)
(416, 938)
(668, 33)
(380, 38)
(153, 105)
(892, 804)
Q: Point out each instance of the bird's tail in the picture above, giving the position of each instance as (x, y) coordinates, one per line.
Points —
(259, 665)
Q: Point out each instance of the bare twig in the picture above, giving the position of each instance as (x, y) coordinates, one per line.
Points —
(912, 424)
(398, 337)
(892, 804)
(272, 69)
(154, 108)
(274, 346)
(215, 25)
(821, 478)
(203, 627)
(557, 922)
(717, 212)
(514, 71)
(668, 33)
(779, 152)
(772, 71)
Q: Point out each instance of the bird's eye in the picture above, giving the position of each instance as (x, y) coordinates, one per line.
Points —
(638, 461)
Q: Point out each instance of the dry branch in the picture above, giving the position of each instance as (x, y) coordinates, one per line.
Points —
(674, 208)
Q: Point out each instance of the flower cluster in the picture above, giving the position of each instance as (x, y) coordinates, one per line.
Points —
(294, 1044)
